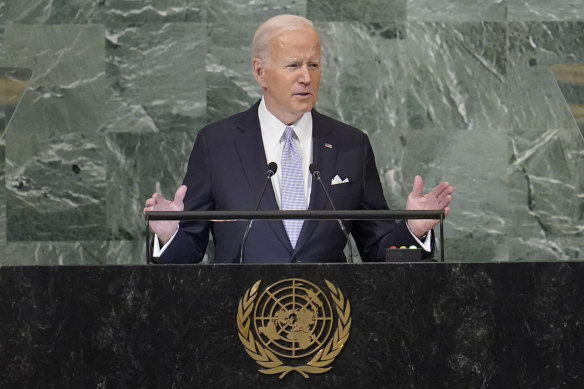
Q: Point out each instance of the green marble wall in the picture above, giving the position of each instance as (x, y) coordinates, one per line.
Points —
(459, 90)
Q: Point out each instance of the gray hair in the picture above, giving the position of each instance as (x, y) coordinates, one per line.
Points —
(260, 46)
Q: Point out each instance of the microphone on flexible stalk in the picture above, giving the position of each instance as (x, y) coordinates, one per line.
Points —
(270, 171)
(315, 171)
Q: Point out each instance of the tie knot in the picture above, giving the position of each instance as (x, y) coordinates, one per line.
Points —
(288, 134)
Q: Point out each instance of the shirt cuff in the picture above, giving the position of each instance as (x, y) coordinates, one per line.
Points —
(156, 250)
(427, 243)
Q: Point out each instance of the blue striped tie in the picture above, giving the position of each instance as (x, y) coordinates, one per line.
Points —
(292, 183)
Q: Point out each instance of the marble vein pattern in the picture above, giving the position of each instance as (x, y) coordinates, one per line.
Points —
(363, 79)
(541, 10)
(456, 76)
(352, 11)
(52, 11)
(157, 69)
(457, 10)
(231, 87)
(241, 11)
(131, 12)
(546, 178)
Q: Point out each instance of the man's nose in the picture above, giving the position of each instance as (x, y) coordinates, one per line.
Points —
(304, 77)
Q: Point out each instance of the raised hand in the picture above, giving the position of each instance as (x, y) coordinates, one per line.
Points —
(438, 199)
(164, 229)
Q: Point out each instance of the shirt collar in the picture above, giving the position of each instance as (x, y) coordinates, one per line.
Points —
(272, 128)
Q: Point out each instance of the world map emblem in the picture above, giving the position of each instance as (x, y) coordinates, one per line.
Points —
(292, 326)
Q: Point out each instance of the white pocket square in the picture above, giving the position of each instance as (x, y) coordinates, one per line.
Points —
(337, 180)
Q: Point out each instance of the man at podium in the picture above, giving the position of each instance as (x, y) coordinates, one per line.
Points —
(229, 165)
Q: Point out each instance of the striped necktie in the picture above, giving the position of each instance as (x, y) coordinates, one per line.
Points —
(292, 183)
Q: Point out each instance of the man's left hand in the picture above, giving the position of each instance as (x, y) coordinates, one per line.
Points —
(438, 199)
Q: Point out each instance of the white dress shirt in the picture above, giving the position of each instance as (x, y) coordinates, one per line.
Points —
(272, 131)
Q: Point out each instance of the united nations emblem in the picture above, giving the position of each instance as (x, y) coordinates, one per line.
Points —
(292, 320)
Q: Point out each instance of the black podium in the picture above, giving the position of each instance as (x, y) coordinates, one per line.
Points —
(434, 325)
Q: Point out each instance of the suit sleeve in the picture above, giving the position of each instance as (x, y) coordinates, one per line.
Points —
(190, 242)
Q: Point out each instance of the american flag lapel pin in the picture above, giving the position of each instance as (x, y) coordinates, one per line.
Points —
(328, 145)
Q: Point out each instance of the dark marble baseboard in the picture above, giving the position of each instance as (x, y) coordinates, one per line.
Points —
(441, 325)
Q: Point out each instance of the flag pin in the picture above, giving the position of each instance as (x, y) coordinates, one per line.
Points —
(328, 145)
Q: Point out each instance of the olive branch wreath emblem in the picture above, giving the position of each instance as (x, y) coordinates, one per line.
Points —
(321, 361)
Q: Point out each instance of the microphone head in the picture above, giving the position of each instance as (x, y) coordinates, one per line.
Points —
(272, 168)
(313, 168)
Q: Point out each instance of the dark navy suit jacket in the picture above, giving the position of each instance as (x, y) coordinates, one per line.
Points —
(227, 170)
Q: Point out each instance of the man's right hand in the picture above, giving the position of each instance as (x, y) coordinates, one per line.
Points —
(165, 229)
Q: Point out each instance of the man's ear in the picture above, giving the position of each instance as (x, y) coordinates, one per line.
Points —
(259, 71)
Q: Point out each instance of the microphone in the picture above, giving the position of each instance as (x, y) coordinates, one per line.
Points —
(315, 171)
(270, 171)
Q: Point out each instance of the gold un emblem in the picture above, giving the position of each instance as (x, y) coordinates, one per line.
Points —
(292, 321)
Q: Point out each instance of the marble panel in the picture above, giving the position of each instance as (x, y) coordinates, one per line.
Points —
(55, 170)
(359, 11)
(59, 193)
(457, 10)
(76, 252)
(476, 228)
(543, 10)
(457, 76)
(231, 87)
(362, 81)
(221, 11)
(138, 12)
(156, 69)
(125, 116)
(546, 186)
(53, 11)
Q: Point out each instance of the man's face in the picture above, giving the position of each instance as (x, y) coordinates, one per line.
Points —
(291, 79)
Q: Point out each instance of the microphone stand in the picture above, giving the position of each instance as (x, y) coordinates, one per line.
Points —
(271, 170)
(316, 174)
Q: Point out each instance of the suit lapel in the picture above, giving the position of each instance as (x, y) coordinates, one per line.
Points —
(324, 155)
(251, 153)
